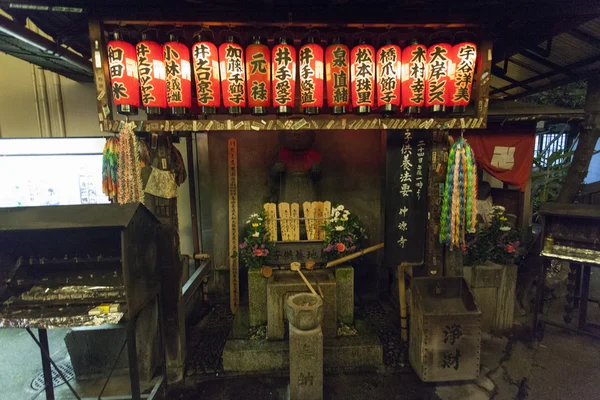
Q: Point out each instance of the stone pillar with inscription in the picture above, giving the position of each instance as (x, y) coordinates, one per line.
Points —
(305, 313)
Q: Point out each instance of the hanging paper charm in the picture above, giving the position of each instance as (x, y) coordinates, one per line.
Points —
(459, 206)
(123, 70)
(363, 78)
(311, 76)
(414, 60)
(178, 76)
(206, 74)
(389, 73)
(233, 76)
(337, 74)
(151, 70)
(258, 70)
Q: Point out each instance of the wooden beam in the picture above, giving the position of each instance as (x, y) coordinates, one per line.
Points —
(525, 66)
(542, 60)
(552, 85)
(562, 70)
(497, 71)
(585, 37)
(101, 77)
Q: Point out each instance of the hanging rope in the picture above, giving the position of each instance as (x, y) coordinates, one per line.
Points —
(110, 168)
(459, 207)
(129, 172)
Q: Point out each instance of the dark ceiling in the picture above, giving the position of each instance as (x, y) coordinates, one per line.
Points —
(537, 44)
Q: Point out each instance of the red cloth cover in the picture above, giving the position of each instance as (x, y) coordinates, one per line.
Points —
(505, 154)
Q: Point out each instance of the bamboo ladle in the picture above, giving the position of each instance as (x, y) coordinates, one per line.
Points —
(295, 266)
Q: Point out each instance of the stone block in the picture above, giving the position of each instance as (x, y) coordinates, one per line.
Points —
(306, 364)
(344, 279)
(487, 275)
(255, 356)
(284, 283)
(257, 297)
(363, 352)
(93, 351)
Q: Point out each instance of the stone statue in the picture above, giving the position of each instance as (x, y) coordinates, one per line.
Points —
(295, 175)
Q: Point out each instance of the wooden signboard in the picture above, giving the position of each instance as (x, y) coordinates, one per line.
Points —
(407, 163)
(302, 251)
(234, 271)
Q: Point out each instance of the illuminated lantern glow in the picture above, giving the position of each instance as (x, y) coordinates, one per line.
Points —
(389, 77)
(258, 70)
(337, 76)
(206, 74)
(178, 75)
(233, 76)
(151, 69)
(311, 71)
(363, 77)
(284, 76)
(464, 57)
(414, 62)
(123, 70)
(437, 81)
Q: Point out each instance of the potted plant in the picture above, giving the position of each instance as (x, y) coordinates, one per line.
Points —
(343, 234)
(489, 259)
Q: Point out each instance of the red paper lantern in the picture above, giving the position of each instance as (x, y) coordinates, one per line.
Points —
(311, 76)
(233, 76)
(363, 78)
(389, 74)
(284, 76)
(258, 67)
(206, 75)
(437, 82)
(178, 76)
(337, 76)
(464, 57)
(414, 62)
(122, 66)
(151, 70)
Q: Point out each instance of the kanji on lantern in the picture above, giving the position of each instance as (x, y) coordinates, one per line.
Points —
(258, 70)
(414, 61)
(389, 73)
(284, 76)
(123, 70)
(337, 77)
(178, 76)
(233, 76)
(464, 57)
(437, 86)
(206, 74)
(363, 78)
(311, 76)
(151, 70)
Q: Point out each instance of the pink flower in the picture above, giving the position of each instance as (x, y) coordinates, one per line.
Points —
(352, 248)
(328, 248)
(340, 247)
(243, 245)
(265, 252)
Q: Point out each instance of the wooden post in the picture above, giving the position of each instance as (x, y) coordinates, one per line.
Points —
(481, 88)
(101, 77)
(402, 297)
(588, 138)
(434, 250)
(234, 263)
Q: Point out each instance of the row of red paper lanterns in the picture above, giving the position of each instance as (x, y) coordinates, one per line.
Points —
(358, 79)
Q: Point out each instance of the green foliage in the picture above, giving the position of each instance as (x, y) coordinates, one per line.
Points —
(257, 243)
(343, 233)
(497, 242)
(569, 96)
(549, 173)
